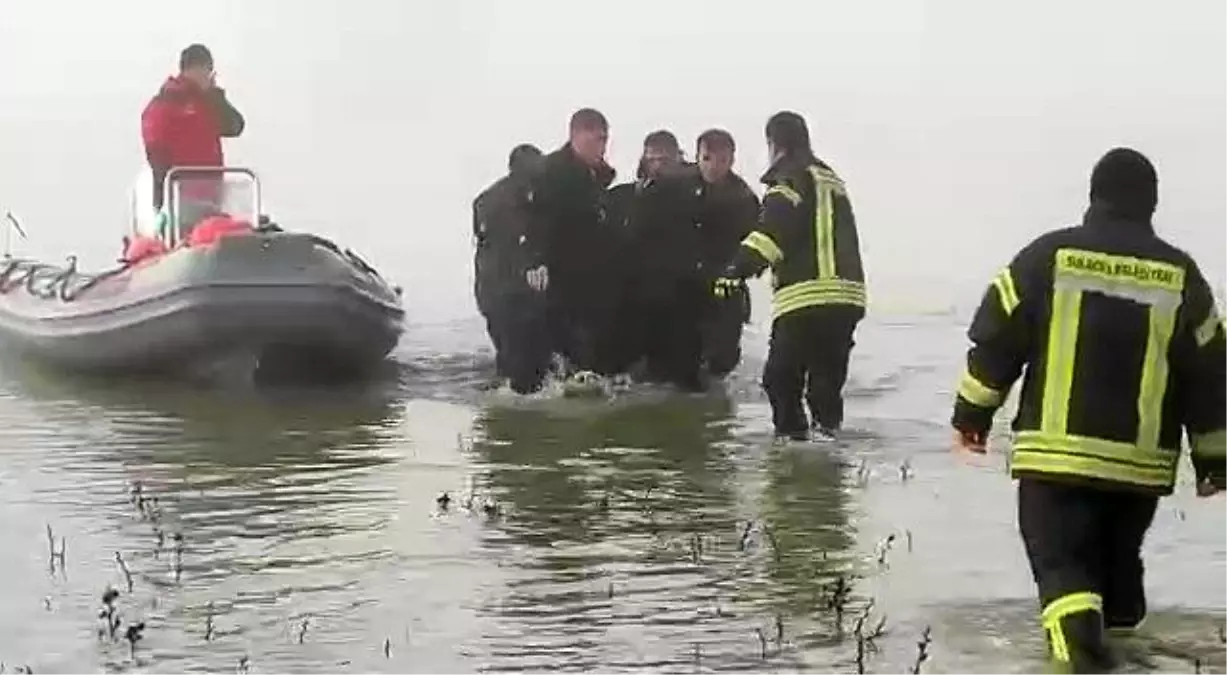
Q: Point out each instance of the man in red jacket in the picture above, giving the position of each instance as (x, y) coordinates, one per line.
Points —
(183, 126)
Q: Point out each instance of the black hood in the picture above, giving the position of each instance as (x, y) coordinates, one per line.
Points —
(1124, 184)
(790, 165)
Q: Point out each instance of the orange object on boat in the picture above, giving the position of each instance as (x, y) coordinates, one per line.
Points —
(209, 230)
(139, 248)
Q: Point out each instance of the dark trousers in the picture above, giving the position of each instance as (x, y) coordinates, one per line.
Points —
(1085, 549)
(520, 334)
(807, 361)
(671, 333)
(722, 327)
(586, 333)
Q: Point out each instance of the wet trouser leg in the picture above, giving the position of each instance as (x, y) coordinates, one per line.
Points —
(683, 348)
(495, 327)
(563, 329)
(624, 345)
(789, 352)
(524, 333)
(654, 338)
(609, 337)
(722, 328)
(832, 333)
(1124, 595)
(1084, 545)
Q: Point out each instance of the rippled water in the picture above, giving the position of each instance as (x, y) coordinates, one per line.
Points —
(654, 532)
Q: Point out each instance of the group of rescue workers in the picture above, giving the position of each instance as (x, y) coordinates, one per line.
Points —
(647, 277)
(1114, 332)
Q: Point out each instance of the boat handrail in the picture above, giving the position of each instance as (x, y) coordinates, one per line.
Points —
(168, 193)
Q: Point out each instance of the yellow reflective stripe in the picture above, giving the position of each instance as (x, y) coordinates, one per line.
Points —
(1158, 285)
(826, 186)
(1083, 601)
(1038, 461)
(828, 176)
(780, 308)
(1120, 270)
(1111, 451)
(976, 392)
(821, 286)
(1210, 445)
(817, 292)
(1208, 329)
(1058, 644)
(1154, 374)
(1006, 293)
(1059, 361)
(826, 231)
(1091, 458)
(783, 191)
(763, 245)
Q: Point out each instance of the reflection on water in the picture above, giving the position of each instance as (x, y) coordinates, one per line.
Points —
(653, 532)
(632, 546)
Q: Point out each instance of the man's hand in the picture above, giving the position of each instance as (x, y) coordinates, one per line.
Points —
(725, 287)
(538, 278)
(1208, 488)
(970, 441)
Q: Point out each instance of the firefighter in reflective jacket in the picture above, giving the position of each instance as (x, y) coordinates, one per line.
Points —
(807, 235)
(1124, 352)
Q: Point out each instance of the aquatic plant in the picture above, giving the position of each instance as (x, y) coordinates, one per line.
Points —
(109, 613)
(696, 548)
(302, 629)
(208, 636)
(863, 474)
(123, 567)
(54, 556)
(134, 635)
(178, 566)
(865, 641)
(884, 548)
(922, 649)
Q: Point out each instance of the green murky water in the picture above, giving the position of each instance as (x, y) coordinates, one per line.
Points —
(653, 532)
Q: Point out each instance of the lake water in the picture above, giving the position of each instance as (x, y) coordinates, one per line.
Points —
(653, 532)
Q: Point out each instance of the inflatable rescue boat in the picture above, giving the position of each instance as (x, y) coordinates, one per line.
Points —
(205, 283)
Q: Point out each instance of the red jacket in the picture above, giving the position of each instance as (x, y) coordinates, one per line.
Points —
(183, 126)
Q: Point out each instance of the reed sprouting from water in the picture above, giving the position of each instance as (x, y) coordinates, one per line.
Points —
(123, 567)
(833, 600)
(922, 649)
(55, 556)
(865, 639)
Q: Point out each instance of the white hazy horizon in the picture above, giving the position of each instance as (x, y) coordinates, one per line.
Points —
(963, 128)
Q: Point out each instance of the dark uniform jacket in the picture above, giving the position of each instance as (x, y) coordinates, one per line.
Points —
(807, 235)
(1123, 350)
(665, 237)
(500, 231)
(570, 230)
(727, 214)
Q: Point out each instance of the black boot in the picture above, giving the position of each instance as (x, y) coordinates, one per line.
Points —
(1077, 644)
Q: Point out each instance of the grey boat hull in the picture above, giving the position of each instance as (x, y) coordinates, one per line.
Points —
(288, 302)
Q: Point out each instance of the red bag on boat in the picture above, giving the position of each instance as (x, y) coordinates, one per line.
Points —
(140, 248)
(211, 229)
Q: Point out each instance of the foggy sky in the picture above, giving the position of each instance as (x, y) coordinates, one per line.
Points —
(963, 127)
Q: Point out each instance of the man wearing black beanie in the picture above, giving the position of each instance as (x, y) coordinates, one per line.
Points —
(1124, 354)
(514, 310)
